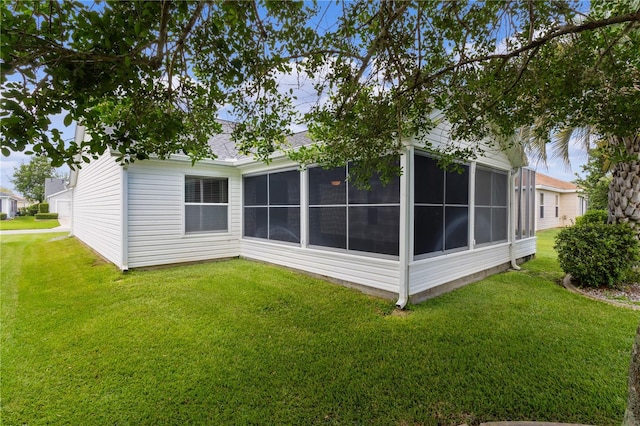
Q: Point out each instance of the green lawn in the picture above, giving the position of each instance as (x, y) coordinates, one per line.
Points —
(238, 342)
(28, 222)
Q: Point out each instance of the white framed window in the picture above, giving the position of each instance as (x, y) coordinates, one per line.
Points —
(491, 211)
(272, 206)
(206, 204)
(342, 216)
(557, 205)
(441, 208)
(541, 205)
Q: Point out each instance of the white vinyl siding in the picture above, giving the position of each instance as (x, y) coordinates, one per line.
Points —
(546, 210)
(381, 274)
(156, 209)
(97, 207)
(432, 272)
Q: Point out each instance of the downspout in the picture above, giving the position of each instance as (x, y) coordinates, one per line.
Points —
(405, 230)
(512, 217)
(124, 219)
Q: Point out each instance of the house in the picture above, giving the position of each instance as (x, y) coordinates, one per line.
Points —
(558, 203)
(426, 232)
(22, 202)
(53, 186)
(9, 204)
(58, 195)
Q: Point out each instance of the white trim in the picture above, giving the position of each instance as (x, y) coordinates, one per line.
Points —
(124, 213)
(196, 234)
(554, 189)
(55, 194)
(304, 208)
(472, 205)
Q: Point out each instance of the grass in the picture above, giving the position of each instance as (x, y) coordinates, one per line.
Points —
(27, 222)
(238, 342)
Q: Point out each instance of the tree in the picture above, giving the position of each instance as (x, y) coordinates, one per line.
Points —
(5, 190)
(157, 73)
(596, 181)
(29, 178)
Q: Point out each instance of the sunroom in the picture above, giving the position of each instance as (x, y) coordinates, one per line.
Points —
(426, 232)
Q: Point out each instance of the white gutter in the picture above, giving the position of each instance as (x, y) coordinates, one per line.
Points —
(512, 217)
(406, 233)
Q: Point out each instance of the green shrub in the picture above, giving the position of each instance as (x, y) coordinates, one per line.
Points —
(43, 208)
(593, 216)
(46, 215)
(3, 216)
(598, 254)
(33, 209)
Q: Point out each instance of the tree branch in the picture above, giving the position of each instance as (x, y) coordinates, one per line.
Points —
(162, 37)
(536, 44)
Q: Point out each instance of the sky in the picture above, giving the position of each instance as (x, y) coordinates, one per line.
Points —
(307, 97)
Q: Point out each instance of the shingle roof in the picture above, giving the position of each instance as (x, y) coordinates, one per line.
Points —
(551, 182)
(225, 148)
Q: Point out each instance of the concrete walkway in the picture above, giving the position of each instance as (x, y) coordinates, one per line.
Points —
(65, 226)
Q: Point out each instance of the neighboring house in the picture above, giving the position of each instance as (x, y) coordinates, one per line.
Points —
(558, 202)
(9, 204)
(426, 232)
(58, 195)
(60, 203)
(53, 186)
(22, 202)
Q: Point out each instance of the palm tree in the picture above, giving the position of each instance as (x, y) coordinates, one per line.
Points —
(623, 162)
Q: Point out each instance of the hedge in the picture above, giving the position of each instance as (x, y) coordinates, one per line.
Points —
(43, 208)
(46, 215)
(3, 216)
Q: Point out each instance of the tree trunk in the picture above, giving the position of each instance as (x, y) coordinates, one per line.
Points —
(624, 190)
(632, 415)
(624, 207)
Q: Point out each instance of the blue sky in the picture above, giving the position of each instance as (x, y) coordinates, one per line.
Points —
(325, 21)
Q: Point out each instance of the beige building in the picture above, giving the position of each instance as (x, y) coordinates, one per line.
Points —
(558, 202)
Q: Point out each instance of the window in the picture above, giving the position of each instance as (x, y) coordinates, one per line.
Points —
(524, 184)
(272, 206)
(345, 217)
(557, 205)
(491, 206)
(541, 206)
(206, 204)
(441, 207)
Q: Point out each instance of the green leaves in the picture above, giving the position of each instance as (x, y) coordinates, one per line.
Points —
(28, 179)
(598, 254)
(360, 75)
